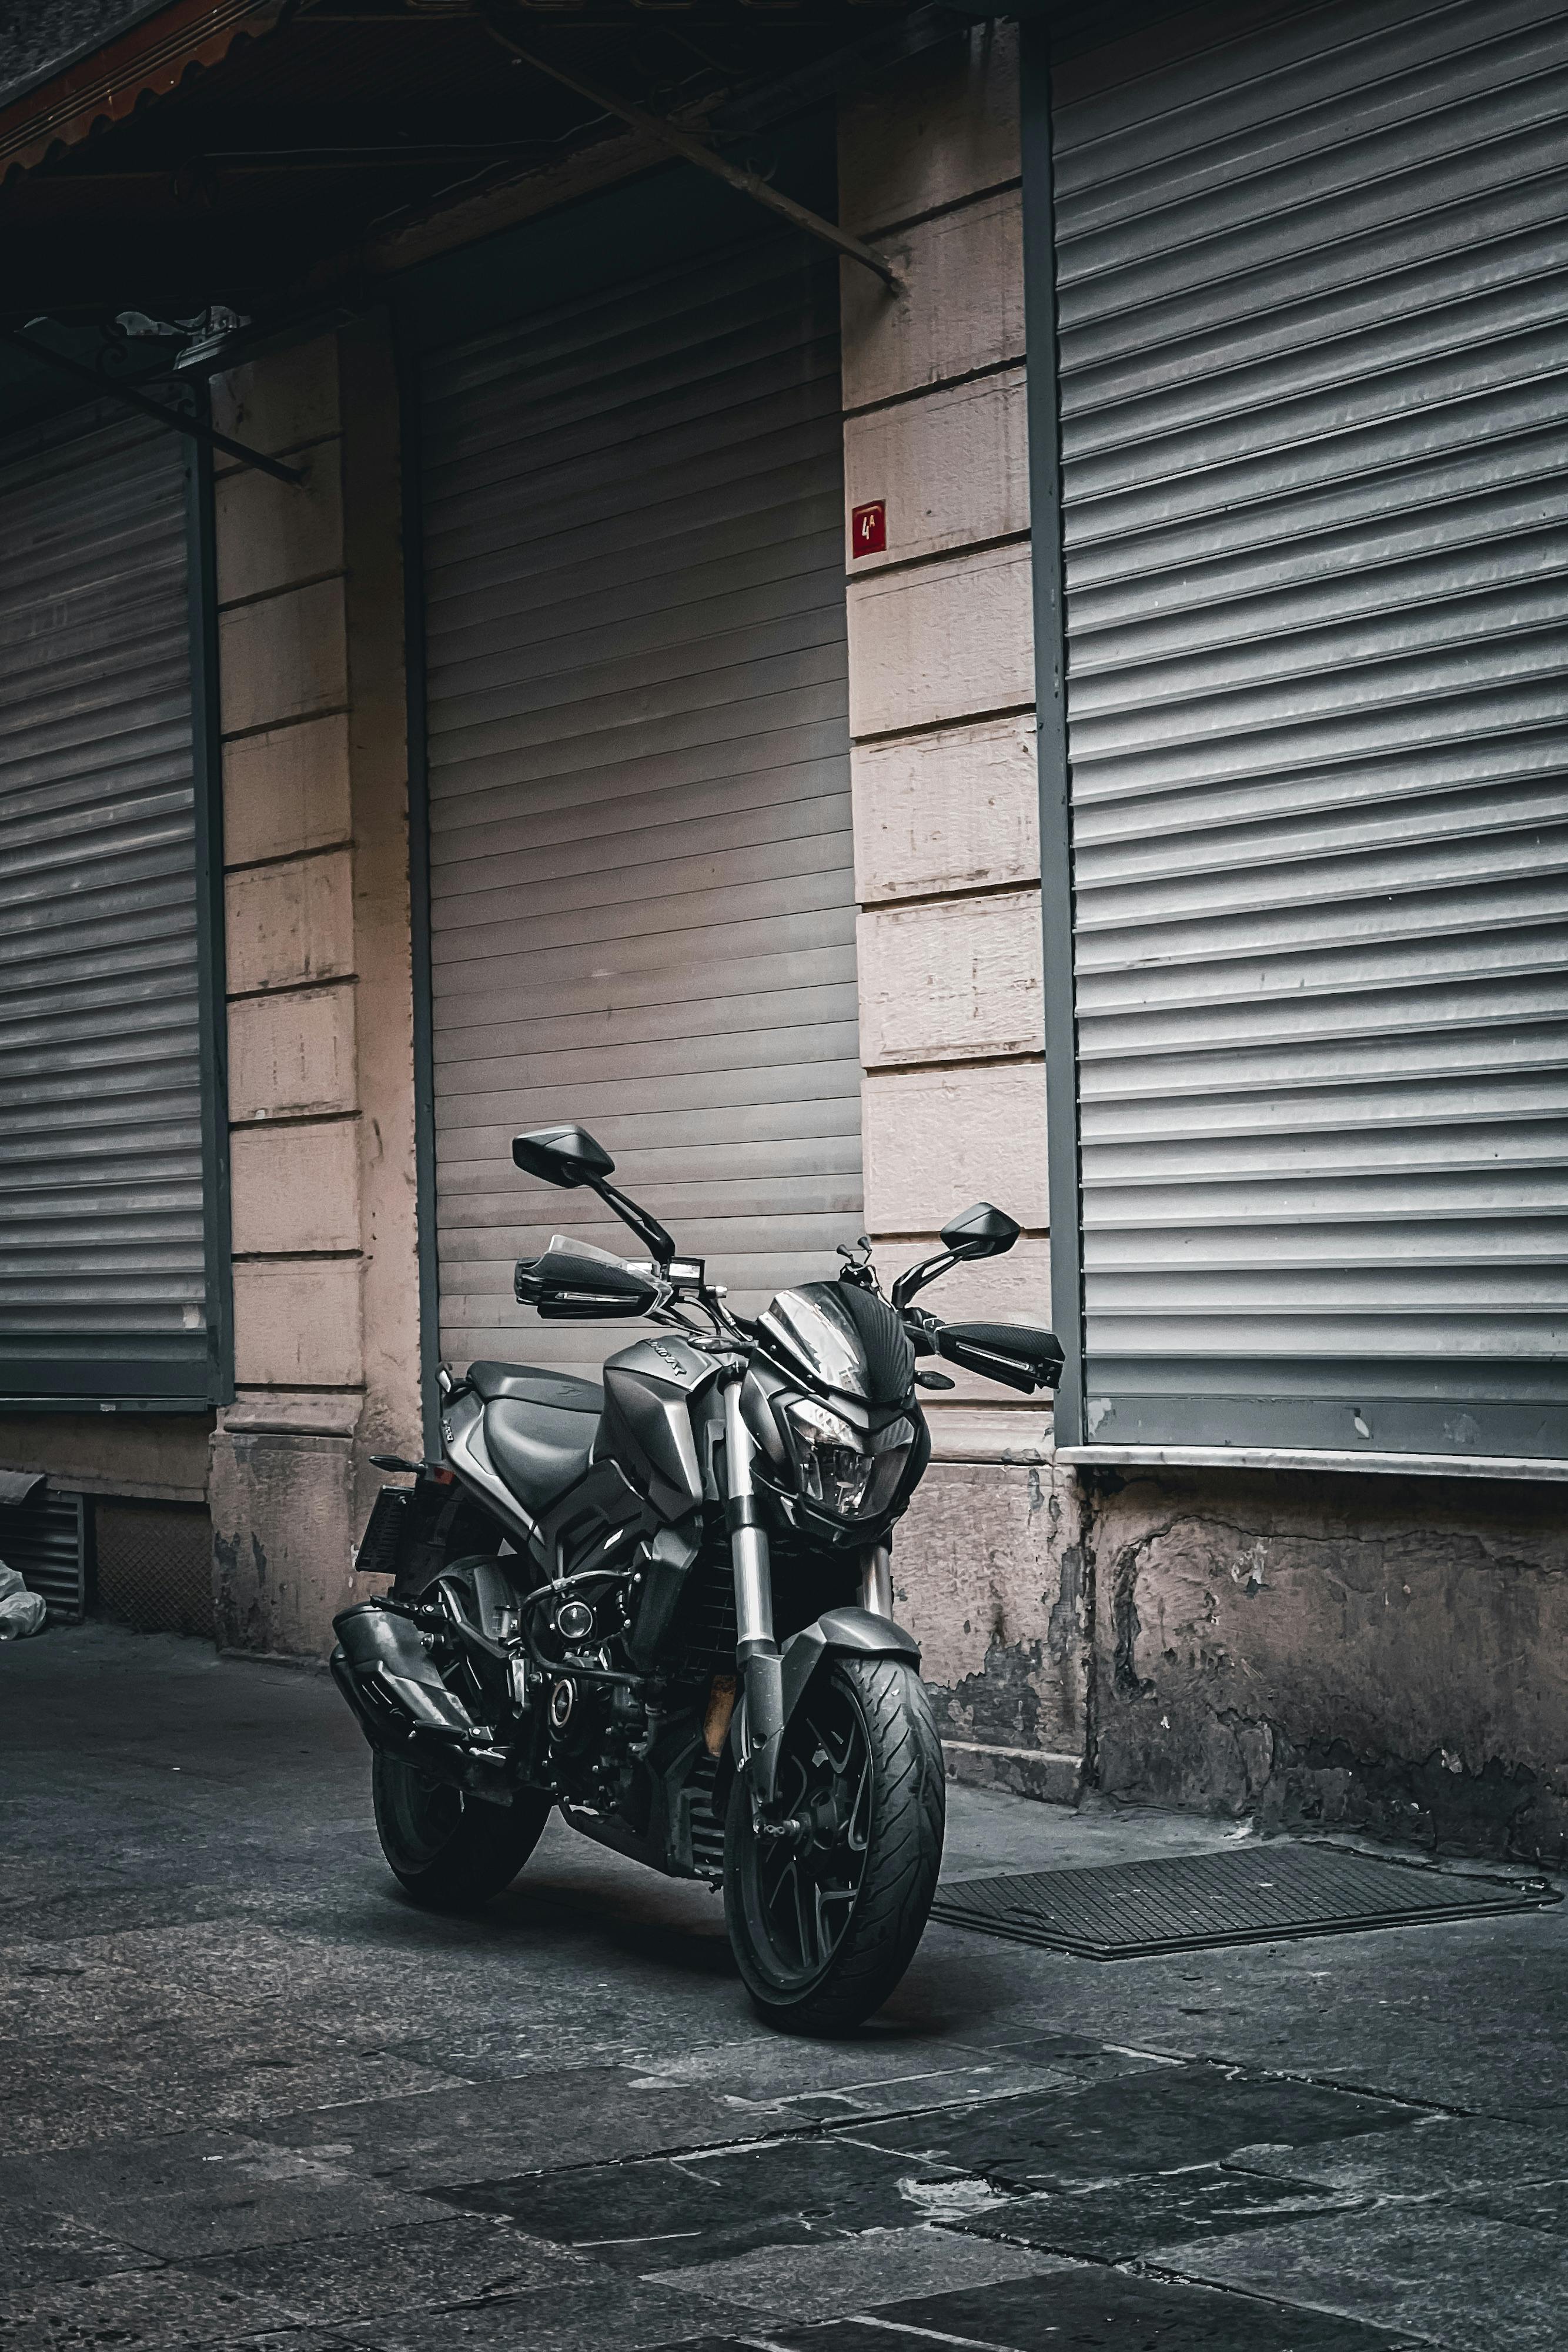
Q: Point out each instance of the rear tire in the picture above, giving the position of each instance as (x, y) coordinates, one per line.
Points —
(452, 1851)
(824, 1923)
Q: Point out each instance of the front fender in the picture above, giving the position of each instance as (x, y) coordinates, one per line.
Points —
(837, 1632)
(841, 1633)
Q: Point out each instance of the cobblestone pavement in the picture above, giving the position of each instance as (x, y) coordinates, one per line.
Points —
(250, 2095)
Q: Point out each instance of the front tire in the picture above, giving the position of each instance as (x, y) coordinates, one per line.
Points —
(824, 1920)
(453, 1851)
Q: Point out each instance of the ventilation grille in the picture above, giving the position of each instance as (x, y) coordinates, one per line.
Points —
(709, 1626)
(44, 1542)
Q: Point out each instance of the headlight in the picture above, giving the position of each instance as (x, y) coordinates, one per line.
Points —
(840, 1469)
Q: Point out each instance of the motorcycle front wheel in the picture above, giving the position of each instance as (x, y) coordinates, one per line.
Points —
(825, 1914)
(453, 1851)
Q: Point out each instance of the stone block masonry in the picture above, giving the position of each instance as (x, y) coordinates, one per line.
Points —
(320, 1000)
(947, 871)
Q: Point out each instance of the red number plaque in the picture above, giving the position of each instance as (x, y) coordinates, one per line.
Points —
(868, 529)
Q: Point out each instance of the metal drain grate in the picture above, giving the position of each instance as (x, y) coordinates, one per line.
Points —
(1122, 1911)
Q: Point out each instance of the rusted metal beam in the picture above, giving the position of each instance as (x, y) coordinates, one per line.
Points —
(192, 427)
(707, 159)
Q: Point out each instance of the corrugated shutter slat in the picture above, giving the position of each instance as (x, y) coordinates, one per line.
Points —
(1315, 333)
(642, 893)
(103, 1260)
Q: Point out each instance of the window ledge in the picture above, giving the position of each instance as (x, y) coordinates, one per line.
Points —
(1262, 1457)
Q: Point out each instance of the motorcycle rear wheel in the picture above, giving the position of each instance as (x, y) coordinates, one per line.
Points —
(453, 1851)
(824, 1919)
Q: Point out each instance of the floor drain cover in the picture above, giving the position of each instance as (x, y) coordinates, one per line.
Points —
(1124, 1910)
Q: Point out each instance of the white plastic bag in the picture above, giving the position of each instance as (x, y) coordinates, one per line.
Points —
(21, 1613)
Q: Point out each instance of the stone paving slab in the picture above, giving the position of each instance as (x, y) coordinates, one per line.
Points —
(159, 2310)
(67, 1989)
(672, 2211)
(38, 2246)
(203, 2192)
(605, 2310)
(782, 2286)
(1153, 2122)
(1536, 2205)
(1449, 2276)
(1076, 2055)
(435, 2262)
(848, 2081)
(288, 2340)
(1465, 2153)
(1116, 2222)
(544, 2122)
(1071, 2308)
(57, 2095)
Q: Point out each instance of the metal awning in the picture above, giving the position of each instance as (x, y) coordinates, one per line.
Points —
(272, 157)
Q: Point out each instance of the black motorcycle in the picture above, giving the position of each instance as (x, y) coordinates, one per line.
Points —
(665, 1605)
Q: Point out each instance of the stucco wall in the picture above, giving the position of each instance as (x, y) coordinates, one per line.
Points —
(991, 1574)
(160, 1458)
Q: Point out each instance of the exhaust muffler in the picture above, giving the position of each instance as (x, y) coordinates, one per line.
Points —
(385, 1672)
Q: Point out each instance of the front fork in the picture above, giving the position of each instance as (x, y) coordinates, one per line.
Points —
(755, 1651)
(876, 1581)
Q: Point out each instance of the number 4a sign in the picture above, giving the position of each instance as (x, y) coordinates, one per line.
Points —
(868, 529)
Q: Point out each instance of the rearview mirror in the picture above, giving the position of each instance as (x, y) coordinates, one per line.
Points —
(980, 1231)
(567, 1155)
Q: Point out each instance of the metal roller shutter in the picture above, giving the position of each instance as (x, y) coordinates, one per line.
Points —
(642, 892)
(1313, 329)
(103, 1270)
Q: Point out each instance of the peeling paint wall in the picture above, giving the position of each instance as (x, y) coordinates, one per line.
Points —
(989, 1571)
(283, 1522)
(1383, 1654)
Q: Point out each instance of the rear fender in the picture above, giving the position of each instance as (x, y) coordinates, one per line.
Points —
(837, 1632)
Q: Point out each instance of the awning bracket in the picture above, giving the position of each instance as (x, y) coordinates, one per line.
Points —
(195, 427)
(707, 159)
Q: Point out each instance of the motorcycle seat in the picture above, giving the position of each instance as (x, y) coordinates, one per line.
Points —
(540, 1450)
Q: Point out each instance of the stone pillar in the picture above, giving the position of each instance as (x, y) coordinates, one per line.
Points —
(947, 869)
(320, 1004)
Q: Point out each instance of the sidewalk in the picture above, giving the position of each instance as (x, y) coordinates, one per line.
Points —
(250, 2095)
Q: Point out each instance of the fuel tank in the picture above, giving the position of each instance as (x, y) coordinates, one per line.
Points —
(651, 1391)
